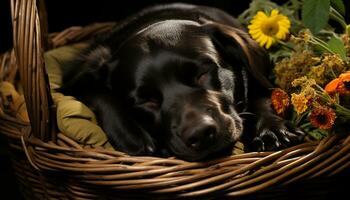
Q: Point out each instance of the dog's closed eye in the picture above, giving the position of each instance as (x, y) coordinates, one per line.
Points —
(152, 104)
(203, 72)
(202, 78)
(148, 98)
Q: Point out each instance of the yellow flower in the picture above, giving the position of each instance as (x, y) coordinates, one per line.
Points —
(267, 29)
(299, 102)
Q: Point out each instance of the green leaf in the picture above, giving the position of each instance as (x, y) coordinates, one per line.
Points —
(339, 6)
(318, 134)
(315, 14)
(337, 46)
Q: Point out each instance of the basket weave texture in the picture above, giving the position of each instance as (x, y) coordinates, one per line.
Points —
(49, 165)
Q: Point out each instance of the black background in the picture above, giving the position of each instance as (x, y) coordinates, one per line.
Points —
(65, 13)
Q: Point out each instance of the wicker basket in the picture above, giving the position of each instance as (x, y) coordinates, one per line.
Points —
(49, 165)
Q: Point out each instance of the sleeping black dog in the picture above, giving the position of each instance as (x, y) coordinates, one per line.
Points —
(179, 80)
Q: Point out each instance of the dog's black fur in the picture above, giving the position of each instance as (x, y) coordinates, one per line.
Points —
(179, 80)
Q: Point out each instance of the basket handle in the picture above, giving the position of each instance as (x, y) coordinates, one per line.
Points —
(30, 40)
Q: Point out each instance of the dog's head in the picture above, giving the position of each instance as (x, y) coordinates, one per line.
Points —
(185, 84)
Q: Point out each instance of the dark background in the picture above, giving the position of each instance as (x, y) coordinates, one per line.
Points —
(66, 13)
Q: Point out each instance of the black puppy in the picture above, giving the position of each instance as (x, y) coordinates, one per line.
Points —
(179, 80)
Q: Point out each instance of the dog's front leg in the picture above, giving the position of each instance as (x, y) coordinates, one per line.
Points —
(272, 132)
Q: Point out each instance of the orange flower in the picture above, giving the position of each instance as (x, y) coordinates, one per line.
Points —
(345, 75)
(279, 100)
(344, 86)
(332, 86)
(322, 117)
(339, 85)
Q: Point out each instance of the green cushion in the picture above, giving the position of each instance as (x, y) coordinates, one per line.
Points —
(78, 122)
(74, 119)
(57, 58)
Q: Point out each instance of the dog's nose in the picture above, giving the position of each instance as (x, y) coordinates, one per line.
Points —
(202, 134)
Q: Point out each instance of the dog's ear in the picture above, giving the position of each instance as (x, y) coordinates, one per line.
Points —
(124, 133)
(89, 78)
(91, 69)
(237, 46)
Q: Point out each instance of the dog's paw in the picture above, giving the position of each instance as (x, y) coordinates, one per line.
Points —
(274, 133)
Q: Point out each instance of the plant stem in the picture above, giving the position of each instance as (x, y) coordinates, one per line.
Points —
(316, 41)
(285, 45)
(335, 15)
(342, 110)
